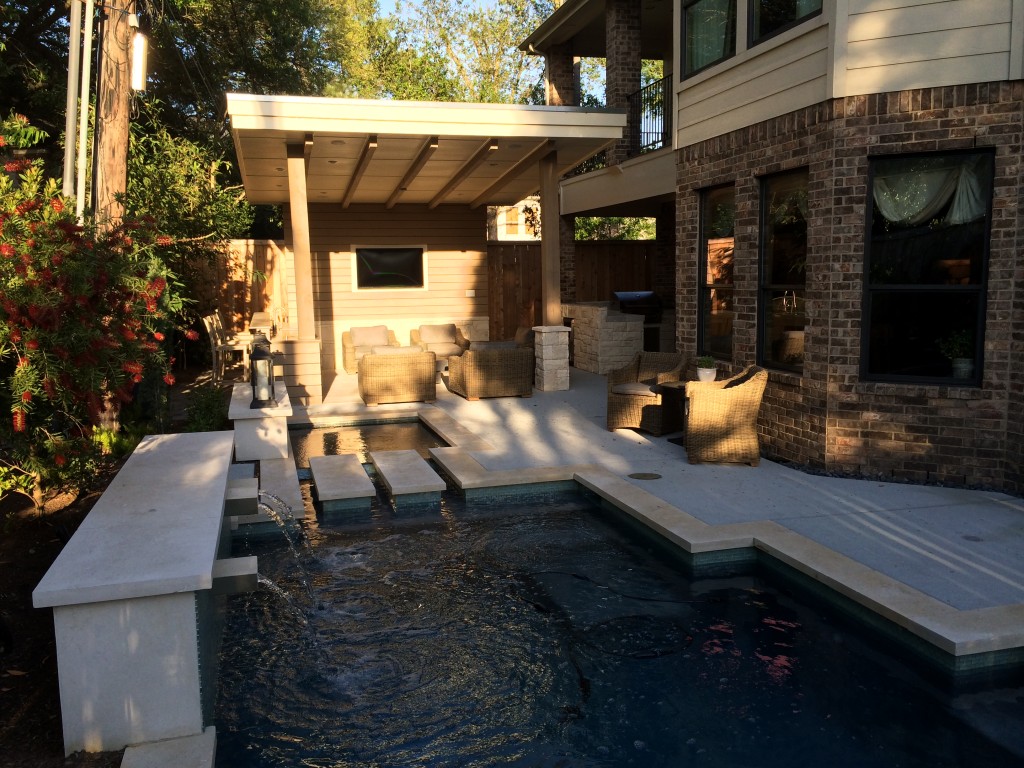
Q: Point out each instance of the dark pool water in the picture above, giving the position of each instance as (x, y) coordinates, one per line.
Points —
(540, 635)
(360, 440)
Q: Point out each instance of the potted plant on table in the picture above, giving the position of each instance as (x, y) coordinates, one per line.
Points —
(707, 368)
(959, 348)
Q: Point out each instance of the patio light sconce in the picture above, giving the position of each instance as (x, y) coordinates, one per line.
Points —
(261, 373)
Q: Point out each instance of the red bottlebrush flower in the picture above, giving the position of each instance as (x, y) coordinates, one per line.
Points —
(57, 205)
(158, 336)
(32, 344)
(7, 250)
(15, 335)
(137, 378)
(157, 285)
(163, 240)
(132, 367)
(19, 420)
(150, 305)
(17, 166)
(3, 141)
(128, 241)
(26, 396)
(60, 460)
(25, 206)
(57, 259)
(192, 335)
(128, 335)
(169, 379)
(50, 389)
(22, 362)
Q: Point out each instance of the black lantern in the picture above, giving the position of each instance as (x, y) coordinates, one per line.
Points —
(261, 373)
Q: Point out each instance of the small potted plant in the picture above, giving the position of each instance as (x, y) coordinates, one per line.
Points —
(707, 368)
(959, 349)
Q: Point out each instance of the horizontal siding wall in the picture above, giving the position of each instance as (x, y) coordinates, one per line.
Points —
(894, 45)
(456, 251)
(771, 79)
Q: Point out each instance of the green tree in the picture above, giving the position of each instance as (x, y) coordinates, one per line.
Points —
(614, 228)
(477, 46)
(33, 61)
(185, 187)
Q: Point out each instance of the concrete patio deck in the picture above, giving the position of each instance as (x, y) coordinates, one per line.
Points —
(946, 562)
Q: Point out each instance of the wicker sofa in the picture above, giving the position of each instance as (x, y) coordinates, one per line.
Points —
(405, 376)
(492, 372)
(357, 342)
(633, 399)
(721, 421)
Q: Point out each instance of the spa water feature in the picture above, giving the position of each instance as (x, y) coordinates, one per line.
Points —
(538, 634)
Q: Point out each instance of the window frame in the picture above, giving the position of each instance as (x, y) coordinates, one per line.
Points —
(684, 7)
(979, 290)
(765, 289)
(704, 288)
(753, 41)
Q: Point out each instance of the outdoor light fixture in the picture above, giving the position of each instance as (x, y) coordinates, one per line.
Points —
(261, 373)
(139, 55)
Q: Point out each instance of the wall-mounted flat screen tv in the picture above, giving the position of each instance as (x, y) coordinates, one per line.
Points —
(389, 268)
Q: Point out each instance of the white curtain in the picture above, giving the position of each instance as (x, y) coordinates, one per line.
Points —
(912, 192)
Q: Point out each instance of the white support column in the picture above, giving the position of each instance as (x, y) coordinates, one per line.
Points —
(301, 250)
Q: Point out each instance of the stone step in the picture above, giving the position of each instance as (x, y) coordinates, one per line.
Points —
(406, 473)
(343, 488)
(185, 752)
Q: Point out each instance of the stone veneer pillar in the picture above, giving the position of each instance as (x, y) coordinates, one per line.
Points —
(551, 348)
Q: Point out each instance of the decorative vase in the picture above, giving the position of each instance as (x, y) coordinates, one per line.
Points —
(963, 367)
(706, 374)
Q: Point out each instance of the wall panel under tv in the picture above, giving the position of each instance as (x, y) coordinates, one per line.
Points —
(392, 268)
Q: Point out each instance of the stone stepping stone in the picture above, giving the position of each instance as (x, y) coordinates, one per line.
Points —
(342, 487)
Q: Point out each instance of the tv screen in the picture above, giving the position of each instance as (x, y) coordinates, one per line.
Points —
(389, 267)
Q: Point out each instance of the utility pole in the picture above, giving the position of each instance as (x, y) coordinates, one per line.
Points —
(112, 99)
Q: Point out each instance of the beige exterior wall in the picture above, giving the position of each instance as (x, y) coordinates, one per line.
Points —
(454, 238)
(855, 47)
(893, 45)
(785, 73)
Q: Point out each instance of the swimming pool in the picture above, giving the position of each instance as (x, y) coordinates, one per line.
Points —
(540, 634)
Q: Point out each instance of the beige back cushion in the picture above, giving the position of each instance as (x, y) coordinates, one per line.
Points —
(435, 334)
(375, 335)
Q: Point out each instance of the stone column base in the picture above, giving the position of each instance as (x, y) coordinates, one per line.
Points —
(551, 350)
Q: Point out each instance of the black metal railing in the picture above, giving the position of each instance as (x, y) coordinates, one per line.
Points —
(650, 117)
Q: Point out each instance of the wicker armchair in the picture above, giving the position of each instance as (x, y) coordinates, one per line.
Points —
(404, 377)
(501, 372)
(721, 422)
(632, 401)
(446, 340)
(360, 341)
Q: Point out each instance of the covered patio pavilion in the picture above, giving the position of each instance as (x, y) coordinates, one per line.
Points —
(352, 173)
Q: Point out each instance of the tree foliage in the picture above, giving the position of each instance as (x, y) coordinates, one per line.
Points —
(477, 47)
(84, 319)
(185, 187)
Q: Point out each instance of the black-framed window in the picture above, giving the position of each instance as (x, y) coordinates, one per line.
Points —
(709, 34)
(769, 17)
(926, 260)
(390, 268)
(716, 295)
(783, 317)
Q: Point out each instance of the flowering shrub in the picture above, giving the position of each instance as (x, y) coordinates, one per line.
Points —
(83, 319)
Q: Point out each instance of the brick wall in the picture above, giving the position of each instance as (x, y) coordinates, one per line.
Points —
(828, 417)
(561, 74)
(622, 68)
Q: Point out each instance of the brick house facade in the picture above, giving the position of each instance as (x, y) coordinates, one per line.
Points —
(828, 417)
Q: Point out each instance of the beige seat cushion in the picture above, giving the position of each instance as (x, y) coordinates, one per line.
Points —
(389, 350)
(634, 388)
(438, 334)
(444, 348)
(369, 337)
